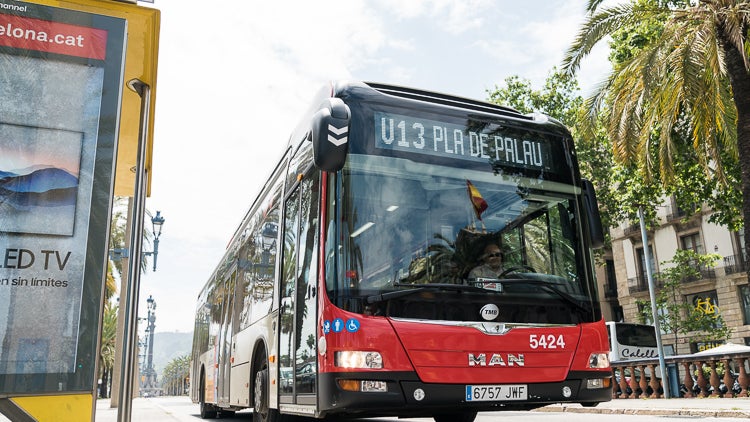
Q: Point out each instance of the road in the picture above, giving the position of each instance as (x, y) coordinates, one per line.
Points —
(182, 410)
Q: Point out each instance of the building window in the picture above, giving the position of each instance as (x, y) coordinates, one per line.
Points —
(738, 262)
(741, 240)
(692, 242)
(647, 314)
(745, 301)
(642, 275)
(610, 289)
(618, 314)
(706, 303)
(678, 212)
(668, 349)
(644, 310)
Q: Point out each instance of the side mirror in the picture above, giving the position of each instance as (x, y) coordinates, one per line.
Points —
(330, 134)
(591, 206)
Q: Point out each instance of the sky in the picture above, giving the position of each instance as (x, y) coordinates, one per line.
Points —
(234, 78)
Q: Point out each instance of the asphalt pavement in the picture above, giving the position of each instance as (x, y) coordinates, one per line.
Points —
(146, 409)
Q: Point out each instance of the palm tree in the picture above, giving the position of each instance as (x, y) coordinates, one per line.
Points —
(175, 375)
(107, 350)
(691, 79)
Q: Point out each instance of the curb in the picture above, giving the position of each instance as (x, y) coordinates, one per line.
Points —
(719, 413)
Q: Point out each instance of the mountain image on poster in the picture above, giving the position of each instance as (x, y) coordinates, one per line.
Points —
(39, 179)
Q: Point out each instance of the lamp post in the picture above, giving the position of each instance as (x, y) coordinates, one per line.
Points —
(132, 287)
(150, 373)
(654, 310)
(156, 223)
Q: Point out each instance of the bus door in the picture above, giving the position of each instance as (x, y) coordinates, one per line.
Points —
(298, 370)
(225, 337)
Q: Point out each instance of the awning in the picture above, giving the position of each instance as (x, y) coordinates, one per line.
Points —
(140, 63)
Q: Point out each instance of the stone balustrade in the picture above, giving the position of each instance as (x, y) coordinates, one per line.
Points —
(700, 375)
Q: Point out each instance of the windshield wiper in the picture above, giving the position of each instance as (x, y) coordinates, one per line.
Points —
(421, 287)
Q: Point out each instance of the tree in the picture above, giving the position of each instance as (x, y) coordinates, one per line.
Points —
(677, 315)
(620, 187)
(686, 84)
(175, 376)
(107, 350)
(109, 331)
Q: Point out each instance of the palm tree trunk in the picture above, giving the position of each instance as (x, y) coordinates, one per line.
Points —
(103, 389)
(740, 81)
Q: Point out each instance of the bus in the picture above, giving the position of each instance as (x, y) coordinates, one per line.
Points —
(345, 289)
(628, 341)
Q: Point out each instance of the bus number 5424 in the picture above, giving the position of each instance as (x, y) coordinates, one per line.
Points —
(546, 341)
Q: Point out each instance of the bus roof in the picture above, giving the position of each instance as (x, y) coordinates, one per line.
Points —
(445, 99)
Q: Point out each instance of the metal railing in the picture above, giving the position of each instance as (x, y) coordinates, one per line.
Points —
(735, 264)
(705, 272)
(640, 283)
(632, 230)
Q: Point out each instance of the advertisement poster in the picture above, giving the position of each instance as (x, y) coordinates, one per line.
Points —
(60, 86)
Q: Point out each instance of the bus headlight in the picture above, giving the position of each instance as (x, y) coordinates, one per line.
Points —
(599, 360)
(358, 359)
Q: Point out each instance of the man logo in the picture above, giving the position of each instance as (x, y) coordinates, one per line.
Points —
(489, 312)
(496, 359)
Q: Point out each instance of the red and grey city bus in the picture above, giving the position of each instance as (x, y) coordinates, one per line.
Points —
(345, 290)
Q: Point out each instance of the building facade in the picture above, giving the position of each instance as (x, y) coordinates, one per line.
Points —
(723, 288)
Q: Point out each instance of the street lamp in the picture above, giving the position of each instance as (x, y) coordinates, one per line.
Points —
(654, 310)
(150, 373)
(157, 222)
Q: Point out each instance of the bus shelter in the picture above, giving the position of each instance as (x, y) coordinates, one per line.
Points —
(75, 130)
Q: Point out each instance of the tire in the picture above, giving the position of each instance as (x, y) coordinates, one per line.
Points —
(590, 404)
(261, 410)
(455, 417)
(208, 411)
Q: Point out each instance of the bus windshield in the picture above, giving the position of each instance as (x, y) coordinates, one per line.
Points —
(417, 237)
(635, 335)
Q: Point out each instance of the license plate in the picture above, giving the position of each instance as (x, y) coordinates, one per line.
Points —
(503, 392)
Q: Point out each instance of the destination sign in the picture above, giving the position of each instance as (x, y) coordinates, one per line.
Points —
(486, 142)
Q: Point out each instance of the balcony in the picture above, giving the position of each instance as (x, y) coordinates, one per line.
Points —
(632, 230)
(640, 283)
(676, 213)
(735, 264)
(705, 273)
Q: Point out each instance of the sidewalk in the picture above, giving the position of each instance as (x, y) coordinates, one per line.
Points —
(706, 407)
(142, 410)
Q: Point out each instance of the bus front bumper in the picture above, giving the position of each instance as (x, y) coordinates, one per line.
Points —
(407, 396)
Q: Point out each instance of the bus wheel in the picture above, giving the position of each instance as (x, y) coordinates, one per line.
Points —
(456, 417)
(208, 411)
(261, 411)
(590, 404)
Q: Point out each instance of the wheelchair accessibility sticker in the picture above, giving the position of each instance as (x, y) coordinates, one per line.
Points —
(352, 325)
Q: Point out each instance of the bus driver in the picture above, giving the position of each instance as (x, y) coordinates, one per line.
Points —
(492, 263)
